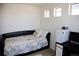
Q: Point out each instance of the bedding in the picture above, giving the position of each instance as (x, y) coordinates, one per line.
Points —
(23, 44)
(40, 33)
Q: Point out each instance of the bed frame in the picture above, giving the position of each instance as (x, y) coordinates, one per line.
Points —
(21, 33)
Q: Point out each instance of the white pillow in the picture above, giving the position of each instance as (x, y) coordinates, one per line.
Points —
(40, 33)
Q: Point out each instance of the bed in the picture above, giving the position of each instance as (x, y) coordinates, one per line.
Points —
(23, 43)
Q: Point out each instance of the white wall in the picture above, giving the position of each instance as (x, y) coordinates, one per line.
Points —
(19, 17)
(52, 24)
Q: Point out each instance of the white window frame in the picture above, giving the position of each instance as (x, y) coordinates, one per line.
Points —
(56, 11)
(70, 9)
(46, 14)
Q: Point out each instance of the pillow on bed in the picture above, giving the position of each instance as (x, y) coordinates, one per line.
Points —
(40, 33)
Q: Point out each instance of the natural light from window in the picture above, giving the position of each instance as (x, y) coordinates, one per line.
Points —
(75, 9)
(57, 12)
(46, 13)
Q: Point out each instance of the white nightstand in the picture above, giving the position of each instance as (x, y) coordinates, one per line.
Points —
(59, 50)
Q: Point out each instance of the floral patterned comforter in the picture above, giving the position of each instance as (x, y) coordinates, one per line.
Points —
(23, 44)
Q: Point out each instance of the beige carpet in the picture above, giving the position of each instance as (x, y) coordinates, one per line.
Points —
(46, 52)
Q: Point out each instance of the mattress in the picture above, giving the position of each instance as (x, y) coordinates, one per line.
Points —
(23, 44)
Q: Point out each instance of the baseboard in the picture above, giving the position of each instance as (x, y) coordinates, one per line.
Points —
(52, 48)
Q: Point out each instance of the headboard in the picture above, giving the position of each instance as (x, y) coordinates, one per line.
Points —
(18, 33)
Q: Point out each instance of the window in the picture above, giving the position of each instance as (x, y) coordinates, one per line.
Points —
(46, 13)
(74, 9)
(57, 12)
(69, 10)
